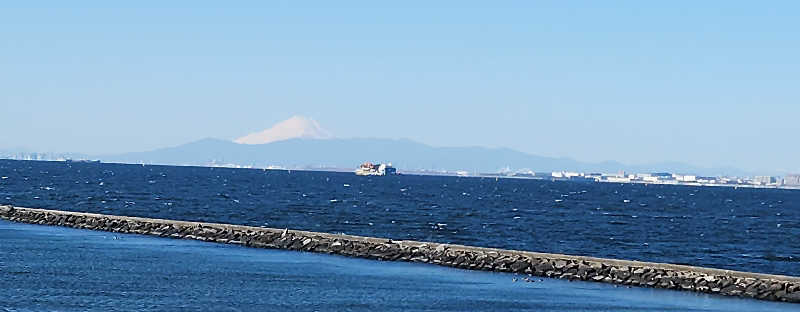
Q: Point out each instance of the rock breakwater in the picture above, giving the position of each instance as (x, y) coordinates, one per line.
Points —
(622, 272)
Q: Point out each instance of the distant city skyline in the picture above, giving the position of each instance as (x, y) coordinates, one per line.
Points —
(709, 84)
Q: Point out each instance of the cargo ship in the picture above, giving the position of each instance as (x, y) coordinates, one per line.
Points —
(370, 169)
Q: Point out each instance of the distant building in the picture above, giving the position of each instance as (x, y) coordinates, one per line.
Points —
(566, 174)
(710, 180)
(617, 179)
(650, 179)
(792, 180)
(764, 180)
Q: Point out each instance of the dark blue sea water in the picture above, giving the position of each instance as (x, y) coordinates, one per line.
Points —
(45, 268)
(739, 229)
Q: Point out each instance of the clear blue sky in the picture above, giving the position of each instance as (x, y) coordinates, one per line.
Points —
(710, 83)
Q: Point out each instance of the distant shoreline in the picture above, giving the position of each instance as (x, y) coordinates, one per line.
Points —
(432, 173)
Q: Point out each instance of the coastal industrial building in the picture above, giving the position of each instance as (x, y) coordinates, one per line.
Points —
(792, 180)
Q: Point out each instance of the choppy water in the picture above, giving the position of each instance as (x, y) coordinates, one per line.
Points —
(740, 229)
(46, 268)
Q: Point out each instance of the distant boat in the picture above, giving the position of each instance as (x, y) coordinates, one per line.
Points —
(370, 169)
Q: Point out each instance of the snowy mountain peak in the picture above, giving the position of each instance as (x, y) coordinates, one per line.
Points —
(295, 127)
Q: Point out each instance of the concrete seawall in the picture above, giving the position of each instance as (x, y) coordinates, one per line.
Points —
(623, 272)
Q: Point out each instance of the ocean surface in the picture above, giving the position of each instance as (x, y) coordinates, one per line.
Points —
(45, 268)
(740, 229)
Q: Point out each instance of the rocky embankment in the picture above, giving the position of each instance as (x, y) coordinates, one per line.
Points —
(622, 272)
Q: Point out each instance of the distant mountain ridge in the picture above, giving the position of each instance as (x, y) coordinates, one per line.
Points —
(404, 154)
